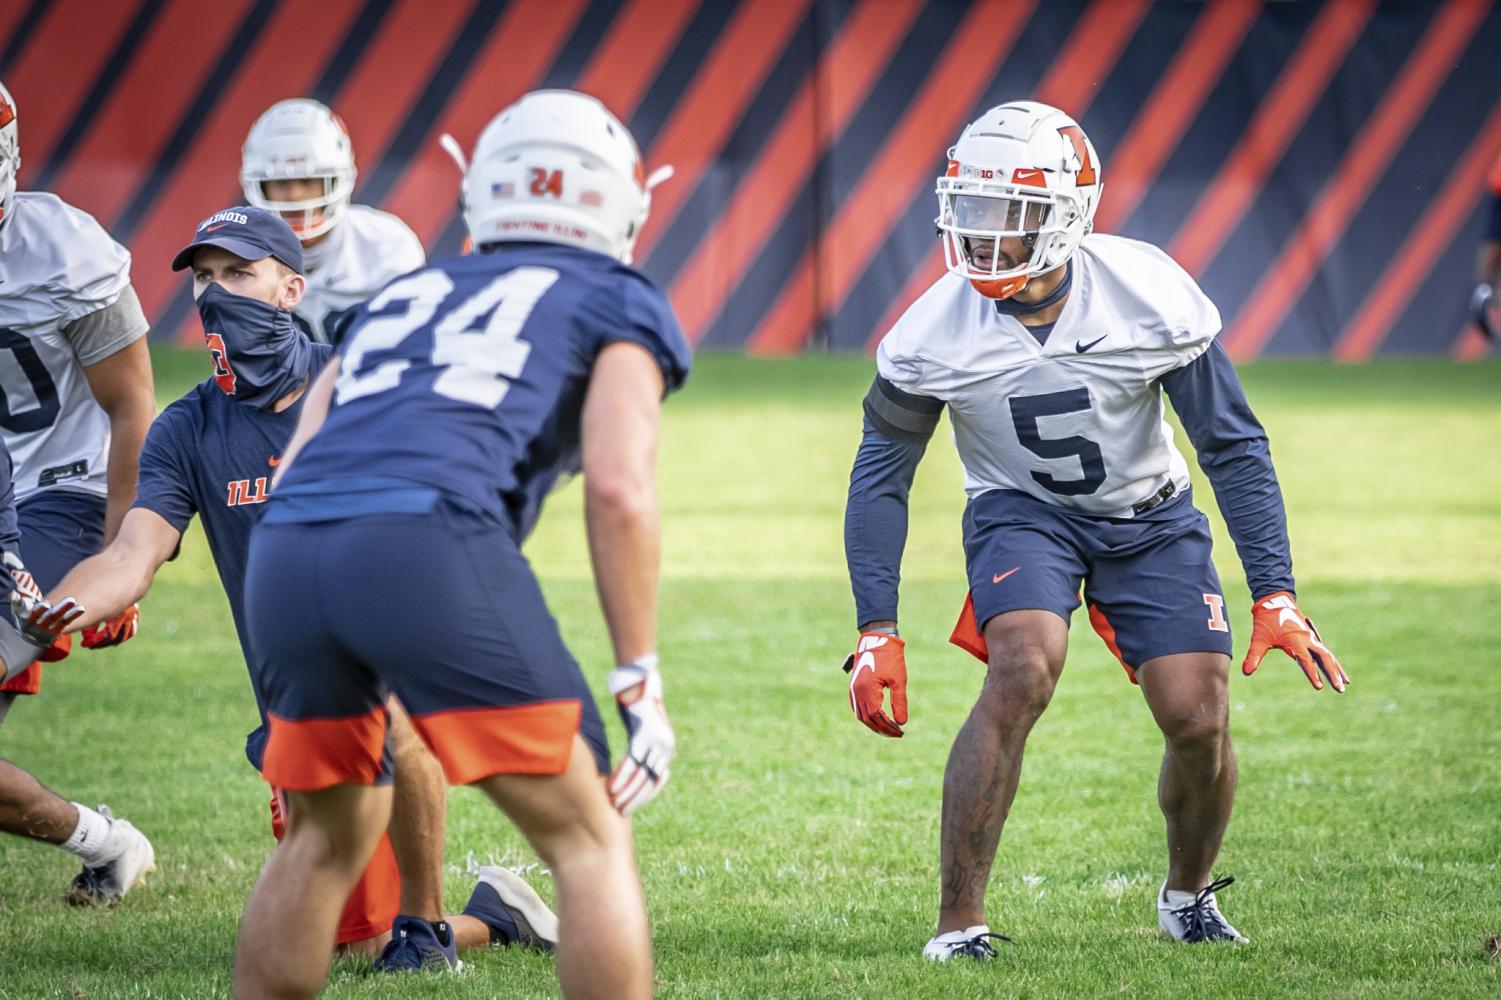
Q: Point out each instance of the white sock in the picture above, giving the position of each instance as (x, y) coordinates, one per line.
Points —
(89, 835)
(1176, 897)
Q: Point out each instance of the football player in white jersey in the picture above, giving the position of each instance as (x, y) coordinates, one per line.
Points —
(1051, 348)
(75, 401)
(298, 161)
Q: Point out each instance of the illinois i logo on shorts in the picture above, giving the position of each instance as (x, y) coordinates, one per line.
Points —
(1217, 622)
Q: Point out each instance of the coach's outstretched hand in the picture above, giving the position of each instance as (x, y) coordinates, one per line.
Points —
(41, 623)
(879, 662)
(113, 631)
(650, 742)
(1279, 624)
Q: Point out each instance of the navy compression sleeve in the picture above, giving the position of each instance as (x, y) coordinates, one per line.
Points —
(1233, 452)
(897, 428)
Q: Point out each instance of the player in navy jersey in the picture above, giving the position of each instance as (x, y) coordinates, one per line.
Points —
(212, 454)
(388, 558)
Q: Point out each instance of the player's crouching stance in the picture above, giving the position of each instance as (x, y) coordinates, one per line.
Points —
(388, 557)
(1050, 351)
(77, 400)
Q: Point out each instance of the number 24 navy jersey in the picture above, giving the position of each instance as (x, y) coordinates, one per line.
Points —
(469, 376)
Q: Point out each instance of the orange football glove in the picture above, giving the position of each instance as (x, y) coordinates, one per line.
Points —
(879, 662)
(113, 631)
(1278, 624)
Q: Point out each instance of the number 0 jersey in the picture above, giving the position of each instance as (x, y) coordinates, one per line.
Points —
(364, 251)
(57, 266)
(1077, 420)
(469, 376)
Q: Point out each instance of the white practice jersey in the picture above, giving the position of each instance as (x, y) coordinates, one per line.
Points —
(57, 266)
(361, 255)
(1078, 421)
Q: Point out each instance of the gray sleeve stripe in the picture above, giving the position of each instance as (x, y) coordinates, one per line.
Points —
(901, 416)
(908, 400)
(107, 330)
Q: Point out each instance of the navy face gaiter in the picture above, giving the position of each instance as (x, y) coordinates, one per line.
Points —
(259, 353)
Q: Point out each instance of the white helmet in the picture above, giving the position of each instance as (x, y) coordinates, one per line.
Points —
(557, 167)
(10, 151)
(1022, 170)
(297, 139)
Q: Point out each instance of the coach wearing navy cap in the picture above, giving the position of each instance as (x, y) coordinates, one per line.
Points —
(247, 277)
(248, 232)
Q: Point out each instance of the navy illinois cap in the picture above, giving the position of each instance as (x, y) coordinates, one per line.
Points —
(245, 231)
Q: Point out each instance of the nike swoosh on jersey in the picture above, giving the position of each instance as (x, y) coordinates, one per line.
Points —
(274, 461)
(998, 577)
(1082, 347)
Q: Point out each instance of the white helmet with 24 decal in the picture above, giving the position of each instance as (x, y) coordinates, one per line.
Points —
(300, 139)
(1022, 171)
(558, 167)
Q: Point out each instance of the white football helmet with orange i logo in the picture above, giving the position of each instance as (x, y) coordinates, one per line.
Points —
(10, 151)
(1025, 173)
(558, 167)
(300, 139)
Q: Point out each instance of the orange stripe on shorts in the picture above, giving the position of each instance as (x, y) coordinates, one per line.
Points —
(309, 754)
(474, 743)
(1107, 632)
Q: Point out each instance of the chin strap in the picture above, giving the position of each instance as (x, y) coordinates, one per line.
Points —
(1010, 307)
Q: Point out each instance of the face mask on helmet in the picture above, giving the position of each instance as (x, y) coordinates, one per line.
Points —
(299, 163)
(1018, 197)
(10, 152)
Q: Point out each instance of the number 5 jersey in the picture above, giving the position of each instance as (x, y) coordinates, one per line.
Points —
(1077, 419)
(1074, 417)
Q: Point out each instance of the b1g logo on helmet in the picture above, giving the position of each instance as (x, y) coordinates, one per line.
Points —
(224, 376)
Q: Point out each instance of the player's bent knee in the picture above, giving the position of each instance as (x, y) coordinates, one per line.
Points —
(338, 827)
(1019, 682)
(562, 813)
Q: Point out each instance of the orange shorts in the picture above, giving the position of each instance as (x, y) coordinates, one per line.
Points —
(373, 903)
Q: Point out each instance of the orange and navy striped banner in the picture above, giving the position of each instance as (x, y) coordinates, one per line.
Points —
(1320, 167)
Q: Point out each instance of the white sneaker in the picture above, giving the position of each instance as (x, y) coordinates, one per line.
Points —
(1194, 917)
(507, 904)
(125, 858)
(972, 942)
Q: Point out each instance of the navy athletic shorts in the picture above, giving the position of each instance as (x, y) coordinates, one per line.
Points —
(1149, 581)
(59, 530)
(440, 609)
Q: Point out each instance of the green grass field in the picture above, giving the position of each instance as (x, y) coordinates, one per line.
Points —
(795, 853)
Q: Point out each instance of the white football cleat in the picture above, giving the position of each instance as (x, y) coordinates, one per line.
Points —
(972, 942)
(512, 908)
(126, 857)
(1195, 917)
